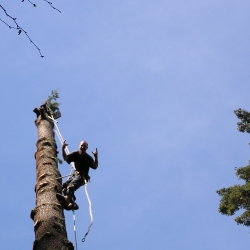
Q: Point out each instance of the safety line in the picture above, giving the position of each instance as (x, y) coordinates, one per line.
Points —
(74, 219)
(66, 148)
(73, 167)
(90, 211)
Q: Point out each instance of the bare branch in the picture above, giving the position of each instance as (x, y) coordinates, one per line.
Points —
(34, 5)
(52, 5)
(30, 2)
(45, 1)
(11, 27)
(19, 28)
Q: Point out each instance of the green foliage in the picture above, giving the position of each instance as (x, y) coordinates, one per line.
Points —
(244, 124)
(244, 173)
(58, 160)
(244, 219)
(237, 197)
(234, 198)
(51, 103)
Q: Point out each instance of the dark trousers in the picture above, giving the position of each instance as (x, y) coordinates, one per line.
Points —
(72, 184)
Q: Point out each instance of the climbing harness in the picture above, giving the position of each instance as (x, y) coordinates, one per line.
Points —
(62, 177)
(85, 186)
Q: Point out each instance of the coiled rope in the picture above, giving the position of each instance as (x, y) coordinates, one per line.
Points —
(85, 186)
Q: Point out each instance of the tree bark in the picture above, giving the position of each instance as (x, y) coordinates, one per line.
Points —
(48, 215)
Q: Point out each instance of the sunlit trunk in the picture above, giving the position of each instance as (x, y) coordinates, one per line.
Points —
(48, 216)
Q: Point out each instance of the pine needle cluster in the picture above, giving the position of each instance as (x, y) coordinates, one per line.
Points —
(244, 124)
(51, 103)
(237, 197)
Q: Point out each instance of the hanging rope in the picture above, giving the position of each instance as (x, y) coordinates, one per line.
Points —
(66, 148)
(73, 167)
(74, 219)
(85, 186)
(90, 211)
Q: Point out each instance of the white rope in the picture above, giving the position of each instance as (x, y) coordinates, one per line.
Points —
(73, 167)
(90, 211)
(66, 148)
(86, 191)
(74, 219)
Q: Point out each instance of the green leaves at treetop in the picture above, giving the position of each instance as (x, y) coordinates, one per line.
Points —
(234, 198)
(244, 219)
(244, 124)
(237, 197)
(52, 104)
(244, 173)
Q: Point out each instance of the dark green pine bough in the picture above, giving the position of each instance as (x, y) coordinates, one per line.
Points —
(238, 196)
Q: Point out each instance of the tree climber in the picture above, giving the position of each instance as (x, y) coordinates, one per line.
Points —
(82, 162)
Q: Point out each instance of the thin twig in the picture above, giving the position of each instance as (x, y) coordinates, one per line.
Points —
(30, 2)
(7, 24)
(19, 28)
(52, 6)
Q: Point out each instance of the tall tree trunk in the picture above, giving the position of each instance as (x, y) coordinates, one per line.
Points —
(48, 216)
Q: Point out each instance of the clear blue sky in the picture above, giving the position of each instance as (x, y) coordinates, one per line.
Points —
(153, 85)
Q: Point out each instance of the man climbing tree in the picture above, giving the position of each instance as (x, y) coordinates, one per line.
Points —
(82, 163)
(238, 196)
(48, 215)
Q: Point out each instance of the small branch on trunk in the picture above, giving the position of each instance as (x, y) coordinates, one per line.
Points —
(43, 114)
(43, 176)
(37, 111)
(37, 224)
(33, 213)
(43, 184)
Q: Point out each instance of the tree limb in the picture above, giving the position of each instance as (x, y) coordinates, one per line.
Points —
(19, 28)
(52, 6)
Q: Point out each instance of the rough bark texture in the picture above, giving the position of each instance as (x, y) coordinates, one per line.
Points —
(48, 216)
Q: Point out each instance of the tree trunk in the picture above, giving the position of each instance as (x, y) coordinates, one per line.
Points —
(48, 216)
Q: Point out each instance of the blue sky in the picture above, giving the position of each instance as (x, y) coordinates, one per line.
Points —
(153, 85)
